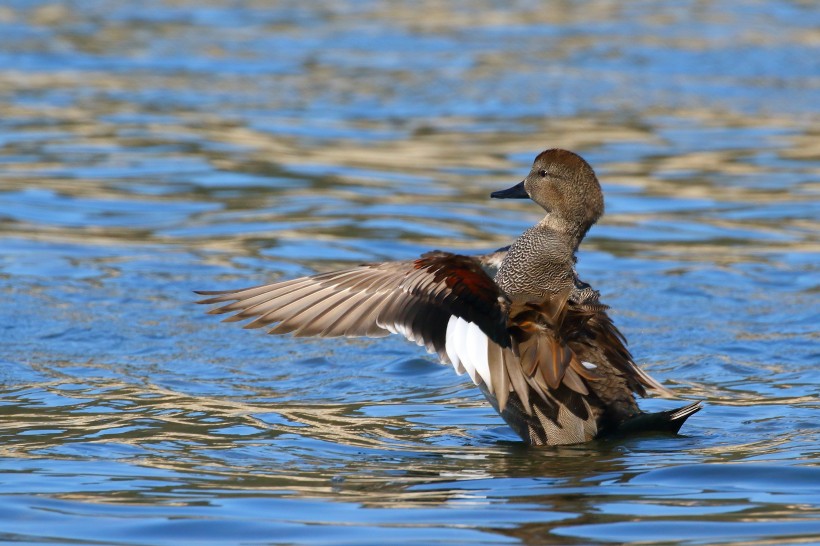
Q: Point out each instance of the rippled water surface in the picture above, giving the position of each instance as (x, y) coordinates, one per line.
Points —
(149, 149)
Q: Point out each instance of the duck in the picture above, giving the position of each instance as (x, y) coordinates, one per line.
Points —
(532, 336)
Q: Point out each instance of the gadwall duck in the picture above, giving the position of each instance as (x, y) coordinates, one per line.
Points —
(534, 338)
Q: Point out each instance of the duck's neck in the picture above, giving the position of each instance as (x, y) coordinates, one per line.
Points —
(571, 232)
(542, 260)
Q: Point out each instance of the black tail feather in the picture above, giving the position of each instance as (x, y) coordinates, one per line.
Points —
(668, 421)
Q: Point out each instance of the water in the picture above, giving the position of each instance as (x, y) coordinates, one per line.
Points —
(149, 149)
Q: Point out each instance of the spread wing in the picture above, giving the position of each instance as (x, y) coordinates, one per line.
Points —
(445, 302)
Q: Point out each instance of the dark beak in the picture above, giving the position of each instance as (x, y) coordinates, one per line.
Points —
(516, 192)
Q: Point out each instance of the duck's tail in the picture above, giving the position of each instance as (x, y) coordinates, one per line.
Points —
(668, 421)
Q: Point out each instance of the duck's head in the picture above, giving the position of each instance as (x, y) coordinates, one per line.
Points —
(565, 186)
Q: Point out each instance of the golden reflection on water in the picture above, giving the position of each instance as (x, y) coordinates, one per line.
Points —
(440, 156)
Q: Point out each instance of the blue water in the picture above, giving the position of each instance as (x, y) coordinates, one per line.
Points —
(150, 149)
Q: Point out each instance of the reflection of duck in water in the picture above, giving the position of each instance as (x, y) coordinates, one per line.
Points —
(535, 339)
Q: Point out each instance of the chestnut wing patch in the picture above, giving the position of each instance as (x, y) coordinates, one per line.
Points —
(464, 290)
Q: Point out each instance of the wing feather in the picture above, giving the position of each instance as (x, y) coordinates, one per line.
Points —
(414, 298)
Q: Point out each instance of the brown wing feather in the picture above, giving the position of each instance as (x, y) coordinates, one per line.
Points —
(538, 331)
(552, 336)
(590, 325)
(415, 298)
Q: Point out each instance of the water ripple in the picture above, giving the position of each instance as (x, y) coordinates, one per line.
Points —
(151, 149)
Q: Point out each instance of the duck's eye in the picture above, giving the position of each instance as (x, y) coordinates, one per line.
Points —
(542, 173)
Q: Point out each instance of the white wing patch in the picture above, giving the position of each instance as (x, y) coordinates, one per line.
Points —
(450, 343)
(467, 346)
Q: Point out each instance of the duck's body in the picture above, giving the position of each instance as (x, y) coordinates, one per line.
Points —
(534, 337)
